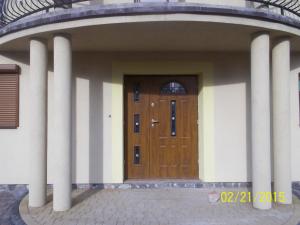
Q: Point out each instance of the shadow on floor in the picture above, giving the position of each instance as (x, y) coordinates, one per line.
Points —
(84, 196)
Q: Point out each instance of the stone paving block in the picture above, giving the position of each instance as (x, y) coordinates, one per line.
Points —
(159, 206)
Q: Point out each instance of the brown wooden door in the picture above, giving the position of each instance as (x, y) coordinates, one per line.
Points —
(161, 127)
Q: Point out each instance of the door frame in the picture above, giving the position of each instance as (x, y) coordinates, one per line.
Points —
(125, 131)
(204, 70)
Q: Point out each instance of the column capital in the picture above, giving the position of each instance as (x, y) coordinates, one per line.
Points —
(259, 33)
(278, 40)
(65, 35)
(39, 39)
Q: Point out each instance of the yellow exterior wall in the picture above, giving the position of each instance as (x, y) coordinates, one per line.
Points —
(207, 124)
(205, 110)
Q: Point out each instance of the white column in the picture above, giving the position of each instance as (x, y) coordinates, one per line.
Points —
(260, 108)
(281, 119)
(38, 122)
(62, 122)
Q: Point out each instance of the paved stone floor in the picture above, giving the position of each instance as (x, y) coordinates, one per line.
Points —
(156, 207)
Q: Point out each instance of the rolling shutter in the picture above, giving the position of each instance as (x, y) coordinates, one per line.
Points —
(9, 96)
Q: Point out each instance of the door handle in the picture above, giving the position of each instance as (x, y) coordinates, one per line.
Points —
(154, 121)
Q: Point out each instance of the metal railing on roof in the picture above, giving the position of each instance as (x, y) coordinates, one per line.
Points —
(13, 10)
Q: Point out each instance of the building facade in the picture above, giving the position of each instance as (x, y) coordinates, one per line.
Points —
(110, 91)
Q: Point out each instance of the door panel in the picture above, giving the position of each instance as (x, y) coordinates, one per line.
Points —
(168, 118)
(137, 131)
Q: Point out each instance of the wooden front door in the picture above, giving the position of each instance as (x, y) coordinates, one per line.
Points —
(161, 127)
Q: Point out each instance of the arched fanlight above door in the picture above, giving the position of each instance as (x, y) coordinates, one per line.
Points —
(173, 87)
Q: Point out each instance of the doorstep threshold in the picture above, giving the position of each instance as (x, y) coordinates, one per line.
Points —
(160, 181)
(157, 184)
(182, 183)
(163, 183)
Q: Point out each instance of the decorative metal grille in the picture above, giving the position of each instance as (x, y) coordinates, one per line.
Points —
(173, 118)
(172, 87)
(291, 6)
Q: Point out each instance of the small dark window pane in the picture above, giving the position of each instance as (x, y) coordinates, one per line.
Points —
(136, 92)
(136, 125)
(173, 118)
(172, 87)
(137, 155)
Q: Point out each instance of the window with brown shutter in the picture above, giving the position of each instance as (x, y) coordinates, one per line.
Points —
(9, 96)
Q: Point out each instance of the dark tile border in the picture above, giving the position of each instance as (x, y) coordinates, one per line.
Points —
(165, 184)
(11, 196)
(20, 190)
(296, 189)
(17, 190)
